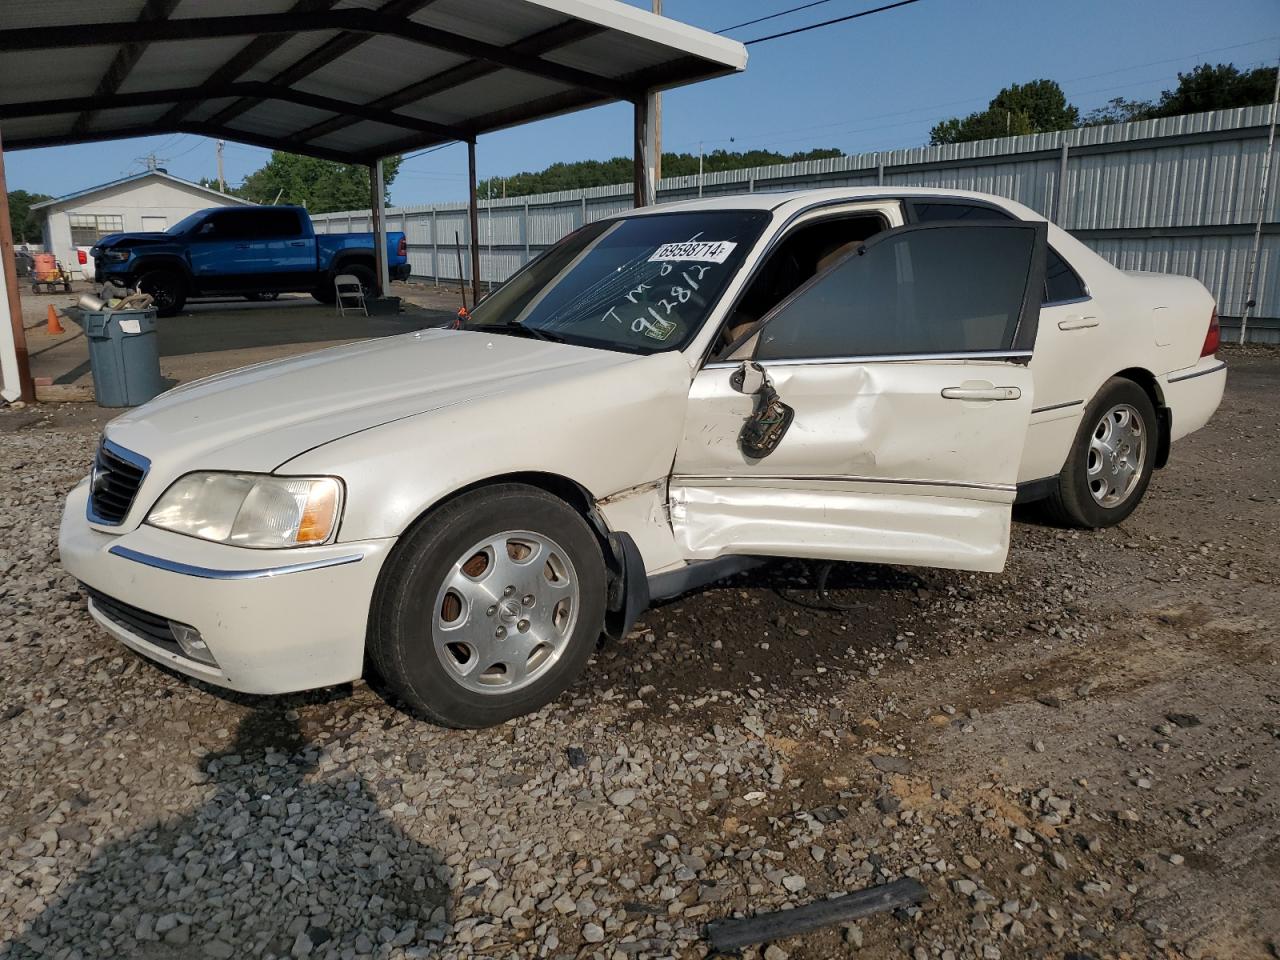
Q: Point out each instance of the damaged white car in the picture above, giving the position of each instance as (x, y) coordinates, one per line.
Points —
(856, 374)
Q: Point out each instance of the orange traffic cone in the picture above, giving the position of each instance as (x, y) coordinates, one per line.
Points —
(55, 327)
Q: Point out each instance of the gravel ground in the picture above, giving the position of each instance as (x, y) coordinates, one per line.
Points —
(1077, 757)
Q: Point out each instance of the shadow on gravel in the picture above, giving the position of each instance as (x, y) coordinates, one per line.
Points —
(276, 863)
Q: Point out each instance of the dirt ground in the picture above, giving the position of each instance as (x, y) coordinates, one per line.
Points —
(1079, 757)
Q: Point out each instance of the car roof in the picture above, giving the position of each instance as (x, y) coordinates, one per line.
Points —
(786, 202)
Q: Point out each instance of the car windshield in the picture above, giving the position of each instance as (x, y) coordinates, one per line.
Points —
(186, 223)
(640, 284)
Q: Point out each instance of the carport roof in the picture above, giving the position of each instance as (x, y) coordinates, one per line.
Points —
(349, 80)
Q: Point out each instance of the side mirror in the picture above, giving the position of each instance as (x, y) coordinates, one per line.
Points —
(749, 378)
(770, 418)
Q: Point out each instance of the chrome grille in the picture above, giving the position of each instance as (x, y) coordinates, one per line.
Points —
(117, 475)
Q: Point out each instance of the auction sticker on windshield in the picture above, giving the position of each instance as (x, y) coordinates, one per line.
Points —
(699, 251)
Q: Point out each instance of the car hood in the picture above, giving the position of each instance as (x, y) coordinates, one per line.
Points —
(259, 417)
(131, 240)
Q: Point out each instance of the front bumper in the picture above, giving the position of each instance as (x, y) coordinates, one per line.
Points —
(276, 621)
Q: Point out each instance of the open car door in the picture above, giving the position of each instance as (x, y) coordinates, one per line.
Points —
(882, 415)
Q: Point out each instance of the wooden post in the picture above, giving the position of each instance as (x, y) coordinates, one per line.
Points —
(378, 215)
(24, 387)
(643, 169)
(474, 221)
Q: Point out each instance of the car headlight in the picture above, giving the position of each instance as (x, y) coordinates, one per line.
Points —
(118, 256)
(251, 509)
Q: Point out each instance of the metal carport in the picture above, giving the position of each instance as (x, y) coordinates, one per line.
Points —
(346, 80)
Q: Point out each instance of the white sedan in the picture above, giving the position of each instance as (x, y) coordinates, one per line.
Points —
(663, 398)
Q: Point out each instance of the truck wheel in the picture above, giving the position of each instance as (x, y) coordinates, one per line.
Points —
(490, 608)
(1111, 459)
(167, 288)
(325, 294)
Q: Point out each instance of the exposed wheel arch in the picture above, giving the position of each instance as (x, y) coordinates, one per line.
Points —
(628, 584)
(1151, 386)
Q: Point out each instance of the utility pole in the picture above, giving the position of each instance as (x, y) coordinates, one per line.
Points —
(656, 120)
(1250, 296)
(222, 181)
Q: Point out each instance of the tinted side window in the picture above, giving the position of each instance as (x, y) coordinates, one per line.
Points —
(922, 291)
(1060, 281)
(940, 210)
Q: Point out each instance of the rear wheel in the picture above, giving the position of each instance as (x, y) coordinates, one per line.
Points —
(168, 290)
(325, 294)
(490, 608)
(1111, 459)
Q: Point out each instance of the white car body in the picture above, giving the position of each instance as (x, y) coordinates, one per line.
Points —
(648, 440)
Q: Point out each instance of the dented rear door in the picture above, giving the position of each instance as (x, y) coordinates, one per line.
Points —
(905, 371)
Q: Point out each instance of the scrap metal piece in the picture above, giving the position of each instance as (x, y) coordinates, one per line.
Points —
(732, 934)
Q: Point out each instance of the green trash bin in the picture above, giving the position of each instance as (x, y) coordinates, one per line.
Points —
(124, 356)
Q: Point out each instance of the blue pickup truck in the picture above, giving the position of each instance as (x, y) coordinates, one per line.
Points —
(249, 251)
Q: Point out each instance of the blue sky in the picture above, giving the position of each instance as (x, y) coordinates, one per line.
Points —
(875, 83)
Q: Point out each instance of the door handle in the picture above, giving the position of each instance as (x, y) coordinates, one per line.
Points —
(987, 392)
(1077, 323)
(297, 243)
(242, 246)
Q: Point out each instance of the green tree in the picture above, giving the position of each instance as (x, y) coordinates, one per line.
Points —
(600, 173)
(27, 227)
(322, 186)
(1119, 110)
(1020, 108)
(1206, 87)
(1218, 87)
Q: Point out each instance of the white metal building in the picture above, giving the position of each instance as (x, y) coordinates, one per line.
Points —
(152, 201)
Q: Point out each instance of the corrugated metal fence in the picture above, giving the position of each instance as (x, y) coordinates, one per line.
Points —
(1177, 195)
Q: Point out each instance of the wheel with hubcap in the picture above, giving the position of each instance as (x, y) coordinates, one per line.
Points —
(168, 291)
(1111, 459)
(490, 607)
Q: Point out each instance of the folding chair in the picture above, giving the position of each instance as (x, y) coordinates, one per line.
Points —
(348, 287)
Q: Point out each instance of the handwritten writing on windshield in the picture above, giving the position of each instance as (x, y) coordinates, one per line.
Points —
(655, 323)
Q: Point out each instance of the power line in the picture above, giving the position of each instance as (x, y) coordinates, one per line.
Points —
(827, 23)
(844, 124)
(774, 16)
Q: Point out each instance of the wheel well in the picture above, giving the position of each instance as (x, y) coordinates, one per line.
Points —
(171, 264)
(345, 262)
(623, 564)
(1147, 381)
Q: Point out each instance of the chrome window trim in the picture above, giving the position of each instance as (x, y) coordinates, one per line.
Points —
(1063, 303)
(210, 573)
(747, 480)
(1199, 373)
(881, 358)
(137, 459)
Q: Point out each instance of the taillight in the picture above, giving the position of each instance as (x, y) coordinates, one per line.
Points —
(403, 248)
(82, 257)
(1213, 337)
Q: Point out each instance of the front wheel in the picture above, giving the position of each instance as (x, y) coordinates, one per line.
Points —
(490, 608)
(1111, 458)
(168, 291)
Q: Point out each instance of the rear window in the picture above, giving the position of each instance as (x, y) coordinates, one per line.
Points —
(1060, 281)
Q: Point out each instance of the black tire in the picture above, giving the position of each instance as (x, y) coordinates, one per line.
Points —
(405, 620)
(325, 293)
(1072, 501)
(168, 288)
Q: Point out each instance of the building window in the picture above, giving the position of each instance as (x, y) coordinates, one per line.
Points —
(88, 228)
